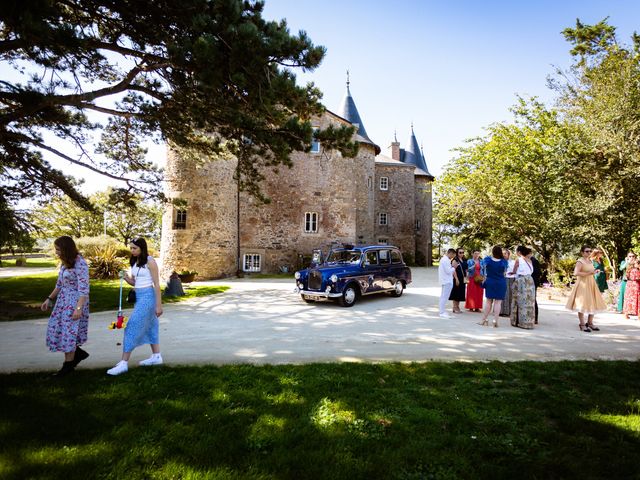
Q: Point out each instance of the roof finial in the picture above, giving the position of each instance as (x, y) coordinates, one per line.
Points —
(411, 126)
(348, 79)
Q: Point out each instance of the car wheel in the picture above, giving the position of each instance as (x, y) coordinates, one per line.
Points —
(349, 296)
(398, 289)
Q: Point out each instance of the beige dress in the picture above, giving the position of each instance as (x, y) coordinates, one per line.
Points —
(585, 296)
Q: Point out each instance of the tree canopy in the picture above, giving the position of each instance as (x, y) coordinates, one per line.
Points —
(558, 177)
(204, 75)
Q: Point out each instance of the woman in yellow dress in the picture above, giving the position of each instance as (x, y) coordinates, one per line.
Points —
(585, 297)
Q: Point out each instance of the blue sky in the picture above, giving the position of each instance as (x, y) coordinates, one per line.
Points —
(451, 68)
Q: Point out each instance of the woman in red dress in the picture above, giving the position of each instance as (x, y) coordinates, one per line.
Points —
(632, 292)
(475, 292)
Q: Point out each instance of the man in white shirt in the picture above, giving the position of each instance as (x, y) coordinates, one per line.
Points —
(445, 277)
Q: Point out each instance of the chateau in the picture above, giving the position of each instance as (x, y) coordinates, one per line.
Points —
(324, 198)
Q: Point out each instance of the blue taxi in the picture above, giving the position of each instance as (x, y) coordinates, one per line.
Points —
(350, 272)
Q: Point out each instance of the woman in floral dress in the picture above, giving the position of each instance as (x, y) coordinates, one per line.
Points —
(632, 292)
(523, 291)
(69, 321)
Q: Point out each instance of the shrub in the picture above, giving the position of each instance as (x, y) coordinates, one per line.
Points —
(563, 271)
(89, 246)
(104, 263)
(408, 259)
(21, 262)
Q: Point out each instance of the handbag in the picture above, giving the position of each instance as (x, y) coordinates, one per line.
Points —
(479, 278)
(131, 296)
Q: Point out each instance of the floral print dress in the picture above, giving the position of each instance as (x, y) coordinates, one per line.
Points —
(632, 292)
(64, 333)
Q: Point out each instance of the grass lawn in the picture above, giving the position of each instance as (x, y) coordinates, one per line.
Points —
(331, 421)
(33, 263)
(21, 297)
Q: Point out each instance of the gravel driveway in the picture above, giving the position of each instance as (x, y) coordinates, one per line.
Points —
(263, 321)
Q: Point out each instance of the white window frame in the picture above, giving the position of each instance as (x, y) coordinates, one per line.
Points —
(383, 241)
(311, 222)
(384, 183)
(383, 219)
(252, 262)
(315, 145)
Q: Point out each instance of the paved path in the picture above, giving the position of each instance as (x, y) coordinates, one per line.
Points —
(262, 321)
(21, 271)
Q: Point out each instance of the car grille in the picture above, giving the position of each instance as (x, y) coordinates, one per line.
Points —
(315, 280)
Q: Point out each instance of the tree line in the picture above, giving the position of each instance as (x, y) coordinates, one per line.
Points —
(557, 176)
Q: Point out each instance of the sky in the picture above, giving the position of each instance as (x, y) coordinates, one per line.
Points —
(449, 67)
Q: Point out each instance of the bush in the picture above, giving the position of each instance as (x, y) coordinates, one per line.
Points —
(563, 273)
(408, 259)
(21, 262)
(104, 263)
(90, 246)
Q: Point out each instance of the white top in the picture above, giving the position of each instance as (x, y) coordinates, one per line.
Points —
(512, 264)
(445, 271)
(524, 267)
(142, 275)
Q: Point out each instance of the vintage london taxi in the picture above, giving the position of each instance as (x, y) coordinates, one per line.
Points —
(350, 272)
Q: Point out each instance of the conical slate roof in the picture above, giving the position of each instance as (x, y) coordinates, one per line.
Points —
(413, 155)
(348, 111)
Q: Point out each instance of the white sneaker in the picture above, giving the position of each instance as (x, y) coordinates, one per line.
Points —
(152, 360)
(445, 315)
(121, 367)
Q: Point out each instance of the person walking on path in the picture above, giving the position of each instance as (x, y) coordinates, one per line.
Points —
(598, 264)
(474, 290)
(445, 277)
(631, 257)
(69, 322)
(495, 284)
(523, 293)
(505, 309)
(585, 298)
(142, 327)
(458, 292)
(632, 292)
(537, 276)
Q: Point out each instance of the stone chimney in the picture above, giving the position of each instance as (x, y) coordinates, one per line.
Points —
(394, 148)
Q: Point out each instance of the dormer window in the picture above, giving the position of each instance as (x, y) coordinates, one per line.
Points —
(315, 144)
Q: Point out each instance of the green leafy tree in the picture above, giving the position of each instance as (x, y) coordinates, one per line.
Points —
(62, 216)
(206, 76)
(520, 183)
(601, 92)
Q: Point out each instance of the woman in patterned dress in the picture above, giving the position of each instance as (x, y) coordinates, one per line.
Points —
(69, 321)
(632, 292)
(623, 269)
(142, 327)
(585, 298)
(523, 291)
(505, 309)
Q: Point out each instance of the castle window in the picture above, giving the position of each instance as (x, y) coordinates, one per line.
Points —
(384, 183)
(311, 222)
(418, 224)
(383, 241)
(180, 222)
(315, 144)
(383, 219)
(251, 262)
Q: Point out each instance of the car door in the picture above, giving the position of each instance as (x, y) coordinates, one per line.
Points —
(370, 272)
(386, 277)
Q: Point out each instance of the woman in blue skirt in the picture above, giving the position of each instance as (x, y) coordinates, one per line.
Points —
(495, 284)
(142, 327)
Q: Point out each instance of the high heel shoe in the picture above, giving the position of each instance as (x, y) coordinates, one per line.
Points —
(584, 328)
(593, 328)
(484, 323)
(495, 324)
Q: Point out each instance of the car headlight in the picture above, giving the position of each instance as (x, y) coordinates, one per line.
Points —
(334, 278)
(297, 275)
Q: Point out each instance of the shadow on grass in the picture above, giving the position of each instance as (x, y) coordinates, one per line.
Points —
(346, 421)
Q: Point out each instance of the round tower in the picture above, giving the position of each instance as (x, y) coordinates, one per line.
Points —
(200, 231)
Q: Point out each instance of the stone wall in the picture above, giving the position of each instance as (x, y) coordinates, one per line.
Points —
(208, 245)
(424, 212)
(398, 202)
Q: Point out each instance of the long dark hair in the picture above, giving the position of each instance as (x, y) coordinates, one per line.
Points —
(68, 250)
(496, 252)
(140, 260)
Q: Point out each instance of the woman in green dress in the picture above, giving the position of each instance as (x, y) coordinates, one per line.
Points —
(598, 264)
(623, 286)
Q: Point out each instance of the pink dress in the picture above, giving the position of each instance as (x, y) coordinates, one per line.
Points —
(63, 332)
(632, 292)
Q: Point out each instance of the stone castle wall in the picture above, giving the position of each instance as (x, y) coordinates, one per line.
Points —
(398, 203)
(424, 212)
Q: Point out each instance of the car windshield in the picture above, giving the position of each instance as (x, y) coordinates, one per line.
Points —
(344, 256)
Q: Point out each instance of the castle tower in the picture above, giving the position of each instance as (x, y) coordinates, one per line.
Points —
(364, 164)
(201, 235)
